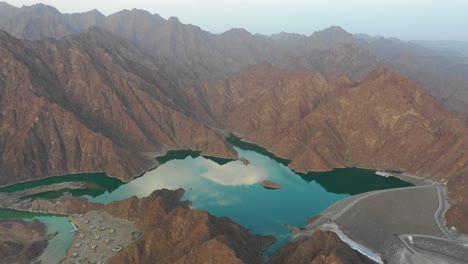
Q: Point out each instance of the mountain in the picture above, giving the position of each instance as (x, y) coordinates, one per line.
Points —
(324, 122)
(198, 54)
(320, 248)
(95, 102)
(90, 102)
(172, 232)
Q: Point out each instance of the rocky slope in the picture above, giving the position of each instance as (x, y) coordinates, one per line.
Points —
(198, 54)
(22, 242)
(93, 102)
(172, 233)
(88, 103)
(323, 122)
(320, 248)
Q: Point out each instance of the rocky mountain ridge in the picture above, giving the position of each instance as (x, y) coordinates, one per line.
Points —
(323, 122)
(94, 102)
(198, 54)
(89, 103)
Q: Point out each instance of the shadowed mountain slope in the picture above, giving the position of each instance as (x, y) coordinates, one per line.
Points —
(198, 54)
(89, 103)
(323, 122)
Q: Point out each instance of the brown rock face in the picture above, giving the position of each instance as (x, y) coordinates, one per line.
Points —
(320, 248)
(199, 54)
(321, 123)
(22, 242)
(173, 233)
(89, 103)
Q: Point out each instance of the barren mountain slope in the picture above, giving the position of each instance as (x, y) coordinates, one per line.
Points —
(89, 103)
(324, 122)
(197, 54)
(172, 233)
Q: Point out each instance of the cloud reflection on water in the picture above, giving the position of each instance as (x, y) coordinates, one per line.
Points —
(233, 173)
(197, 174)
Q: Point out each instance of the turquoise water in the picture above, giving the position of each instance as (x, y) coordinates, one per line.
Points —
(58, 245)
(229, 188)
(234, 190)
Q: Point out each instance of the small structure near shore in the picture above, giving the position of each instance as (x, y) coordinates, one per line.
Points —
(271, 185)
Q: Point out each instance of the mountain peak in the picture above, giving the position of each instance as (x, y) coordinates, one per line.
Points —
(237, 32)
(335, 29)
(43, 8)
(384, 74)
(380, 72)
(330, 37)
(5, 5)
(285, 35)
(173, 19)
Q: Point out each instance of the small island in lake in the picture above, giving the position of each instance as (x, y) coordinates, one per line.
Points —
(271, 185)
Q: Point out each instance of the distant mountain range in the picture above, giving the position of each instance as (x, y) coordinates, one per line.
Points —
(445, 45)
(198, 54)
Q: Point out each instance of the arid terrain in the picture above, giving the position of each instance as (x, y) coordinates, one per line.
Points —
(87, 92)
(171, 232)
(22, 242)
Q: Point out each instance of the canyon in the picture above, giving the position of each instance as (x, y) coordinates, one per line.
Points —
(93, 93)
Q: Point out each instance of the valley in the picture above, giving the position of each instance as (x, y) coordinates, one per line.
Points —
(219, 147)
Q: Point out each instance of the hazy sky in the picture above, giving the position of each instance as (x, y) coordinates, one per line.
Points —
(405, 19)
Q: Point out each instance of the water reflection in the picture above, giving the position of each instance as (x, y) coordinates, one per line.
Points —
(232, 174)
(234, 190)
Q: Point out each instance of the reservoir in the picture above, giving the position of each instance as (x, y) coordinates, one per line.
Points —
(233, 189)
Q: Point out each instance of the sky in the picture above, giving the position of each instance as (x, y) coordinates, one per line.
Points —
(404, 19)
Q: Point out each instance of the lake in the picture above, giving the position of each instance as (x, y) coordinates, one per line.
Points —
(232, 189)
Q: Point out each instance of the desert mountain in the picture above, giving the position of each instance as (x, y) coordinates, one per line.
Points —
(323, 122)
(94, 102)
(320, 248)
(172, 232)
(90, 102)
(197, 54)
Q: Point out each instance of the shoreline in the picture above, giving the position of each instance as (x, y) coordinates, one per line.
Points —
(338, 218)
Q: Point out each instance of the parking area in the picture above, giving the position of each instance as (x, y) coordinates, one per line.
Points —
(98, 237)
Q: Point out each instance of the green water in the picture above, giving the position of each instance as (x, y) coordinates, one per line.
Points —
(232, 189)
(97, 184)
(59, 244)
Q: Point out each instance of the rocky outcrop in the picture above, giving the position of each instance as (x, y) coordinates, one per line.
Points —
(172, 233)
(22, 242)
(320, 248)
(90, 103)
(271, 185)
